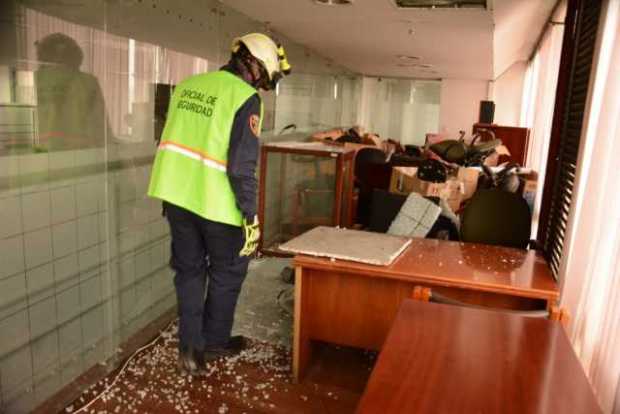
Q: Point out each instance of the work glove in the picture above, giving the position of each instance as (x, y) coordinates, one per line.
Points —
(251, 232)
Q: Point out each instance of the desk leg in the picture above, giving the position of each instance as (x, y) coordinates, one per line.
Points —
(301, 344)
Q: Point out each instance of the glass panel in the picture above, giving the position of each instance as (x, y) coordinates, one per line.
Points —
(406, 110)
(55, 121)
(84, 89)
(299, 195)
(345, 213)
(315, 102)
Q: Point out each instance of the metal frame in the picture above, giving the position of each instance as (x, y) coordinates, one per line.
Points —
(342, 159)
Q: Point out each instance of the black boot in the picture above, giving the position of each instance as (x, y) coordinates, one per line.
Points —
(235, 345)
(191, 362)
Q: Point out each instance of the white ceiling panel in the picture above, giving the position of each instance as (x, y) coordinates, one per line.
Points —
(368, 35)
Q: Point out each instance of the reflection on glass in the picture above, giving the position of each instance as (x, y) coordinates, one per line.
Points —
(83, 252)
(406, 111)
(70, 104)
(315, 102)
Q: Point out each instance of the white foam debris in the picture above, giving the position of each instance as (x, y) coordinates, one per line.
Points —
(151, 378)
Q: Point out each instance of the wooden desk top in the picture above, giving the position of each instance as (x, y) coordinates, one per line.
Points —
(466, 265)
(449, 359)
(315, 148)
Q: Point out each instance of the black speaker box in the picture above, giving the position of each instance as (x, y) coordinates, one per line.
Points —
(487, 112)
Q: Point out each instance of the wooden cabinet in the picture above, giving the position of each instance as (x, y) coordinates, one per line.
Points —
(303, 185)
(514, 138)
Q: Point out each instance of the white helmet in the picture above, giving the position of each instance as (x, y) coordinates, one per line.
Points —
(267, 52)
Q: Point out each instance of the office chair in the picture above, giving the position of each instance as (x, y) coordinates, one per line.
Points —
(497, 217)
(371, 171)
(385, 206)
(368, 155)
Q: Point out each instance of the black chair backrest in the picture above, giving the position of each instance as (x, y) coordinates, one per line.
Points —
(372, 170)
(367, 156)
(384, 207)
(497, 217)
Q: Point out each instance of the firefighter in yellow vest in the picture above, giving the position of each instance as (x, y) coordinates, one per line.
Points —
(205, 173)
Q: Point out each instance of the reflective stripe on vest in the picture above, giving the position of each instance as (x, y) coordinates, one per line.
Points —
(194, 154)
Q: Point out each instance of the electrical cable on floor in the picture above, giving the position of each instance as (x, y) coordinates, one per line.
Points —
(122, 370)
(285, 300)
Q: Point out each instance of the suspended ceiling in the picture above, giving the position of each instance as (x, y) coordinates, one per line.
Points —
(369, 36)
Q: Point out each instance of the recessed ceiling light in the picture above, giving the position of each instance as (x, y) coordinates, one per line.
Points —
(408, 58)
(414, 65)
(432, 4)
(334, 2)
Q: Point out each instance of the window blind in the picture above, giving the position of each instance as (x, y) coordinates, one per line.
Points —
(566, 152)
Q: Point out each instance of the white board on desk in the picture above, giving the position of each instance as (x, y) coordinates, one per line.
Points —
(353, 245)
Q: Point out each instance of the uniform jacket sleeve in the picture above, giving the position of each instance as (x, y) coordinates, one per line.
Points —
(243, 155)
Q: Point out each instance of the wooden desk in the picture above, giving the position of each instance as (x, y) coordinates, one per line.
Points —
(449, 359)
(354, 304)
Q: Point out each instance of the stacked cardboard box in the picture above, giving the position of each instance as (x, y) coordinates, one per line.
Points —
(404, 180)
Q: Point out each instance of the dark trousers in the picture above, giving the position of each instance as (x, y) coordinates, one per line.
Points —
(201, 247)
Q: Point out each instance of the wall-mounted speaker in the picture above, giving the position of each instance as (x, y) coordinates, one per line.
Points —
(487, 112)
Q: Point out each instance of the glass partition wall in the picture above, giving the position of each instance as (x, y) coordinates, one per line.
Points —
(405, 110)
(84, 88)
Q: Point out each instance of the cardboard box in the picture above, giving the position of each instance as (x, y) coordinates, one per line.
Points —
(405, 181)
(332, 134)
(357, 147)
(453, 193)
(469, 176)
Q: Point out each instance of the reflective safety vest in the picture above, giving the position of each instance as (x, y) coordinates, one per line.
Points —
(190, 166)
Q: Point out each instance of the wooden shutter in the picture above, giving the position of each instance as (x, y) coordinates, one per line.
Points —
(571, 102)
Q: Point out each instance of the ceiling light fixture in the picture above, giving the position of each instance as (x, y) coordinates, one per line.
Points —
(443, 4)
(414, 65)
(408, 58)
(334, 2)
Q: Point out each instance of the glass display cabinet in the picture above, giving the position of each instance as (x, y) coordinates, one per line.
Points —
(303, 185)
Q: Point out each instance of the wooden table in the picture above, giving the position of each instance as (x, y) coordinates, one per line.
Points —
(450, 359)
(354, 304)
